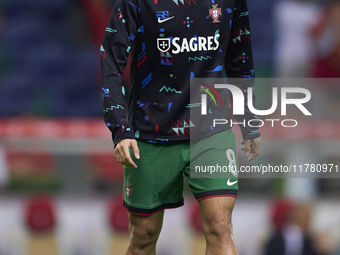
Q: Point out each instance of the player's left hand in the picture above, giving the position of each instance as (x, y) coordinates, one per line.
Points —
(251, 147)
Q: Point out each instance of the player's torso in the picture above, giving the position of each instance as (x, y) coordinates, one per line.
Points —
(176, 40)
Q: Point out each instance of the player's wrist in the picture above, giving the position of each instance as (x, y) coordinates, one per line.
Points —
(250, 135)
(119, 136)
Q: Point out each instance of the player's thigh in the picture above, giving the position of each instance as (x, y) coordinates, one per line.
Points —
(157, 183)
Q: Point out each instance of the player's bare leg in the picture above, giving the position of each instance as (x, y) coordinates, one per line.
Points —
(144, 232)
(217, 227)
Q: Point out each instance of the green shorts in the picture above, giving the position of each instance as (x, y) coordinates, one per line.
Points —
(157, 183)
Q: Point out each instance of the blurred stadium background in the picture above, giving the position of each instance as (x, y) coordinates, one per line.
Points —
(60, 186)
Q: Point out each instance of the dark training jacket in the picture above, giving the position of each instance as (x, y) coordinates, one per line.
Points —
(171, 42)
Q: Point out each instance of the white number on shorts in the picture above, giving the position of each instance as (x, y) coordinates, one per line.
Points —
(232, 162)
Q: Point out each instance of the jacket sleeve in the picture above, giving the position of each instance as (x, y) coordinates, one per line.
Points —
(239, 65)
(117, 43)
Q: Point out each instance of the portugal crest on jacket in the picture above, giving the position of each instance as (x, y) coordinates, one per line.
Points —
(215, 12)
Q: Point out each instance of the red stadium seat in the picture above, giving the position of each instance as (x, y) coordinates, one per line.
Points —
(40, 214)
(118, 216)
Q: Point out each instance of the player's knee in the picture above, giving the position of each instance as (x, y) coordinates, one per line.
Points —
(217, 229)
(144, 234)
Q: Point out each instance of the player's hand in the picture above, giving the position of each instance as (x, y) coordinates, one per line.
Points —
(123, 154)
(251, 147)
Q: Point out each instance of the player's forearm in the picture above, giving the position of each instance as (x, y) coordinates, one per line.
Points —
(113, 93)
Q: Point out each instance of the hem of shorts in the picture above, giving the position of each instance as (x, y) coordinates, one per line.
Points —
(140, 211)
(216, 193)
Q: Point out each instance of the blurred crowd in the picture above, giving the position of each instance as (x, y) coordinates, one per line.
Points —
(49, 64)
(291, 231)
(308, 39)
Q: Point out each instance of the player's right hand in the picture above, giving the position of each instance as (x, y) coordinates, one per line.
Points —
(123, 154)
(251, 147)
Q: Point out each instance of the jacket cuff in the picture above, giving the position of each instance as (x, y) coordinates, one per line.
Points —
(249, 134)
(121, 135)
